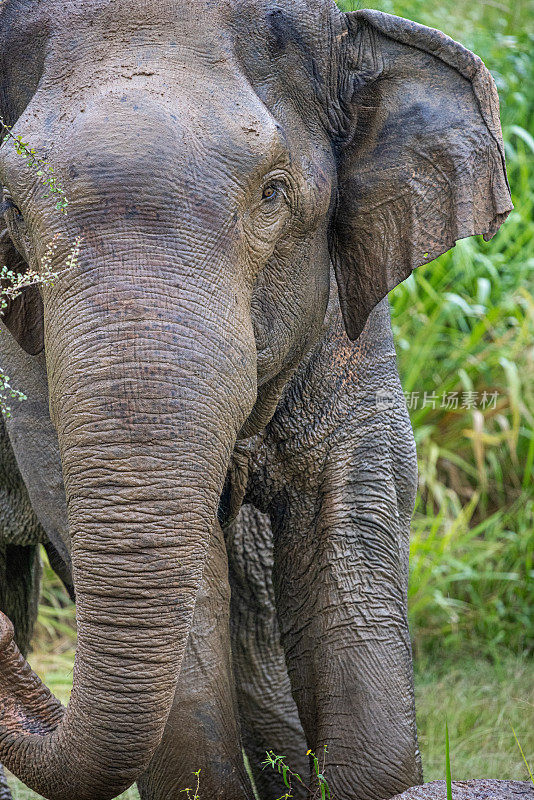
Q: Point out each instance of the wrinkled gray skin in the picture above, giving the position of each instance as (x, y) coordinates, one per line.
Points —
(198, 377)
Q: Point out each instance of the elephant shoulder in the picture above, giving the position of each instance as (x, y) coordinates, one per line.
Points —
(338, 377)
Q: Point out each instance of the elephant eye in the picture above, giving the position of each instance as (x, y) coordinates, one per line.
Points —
(270, 192)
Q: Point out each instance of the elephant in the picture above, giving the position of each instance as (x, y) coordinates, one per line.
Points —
(215, 448)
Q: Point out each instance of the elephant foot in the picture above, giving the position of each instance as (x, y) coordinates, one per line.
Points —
(5, 792)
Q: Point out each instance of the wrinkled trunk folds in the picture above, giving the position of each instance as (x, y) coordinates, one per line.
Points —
(147, 405)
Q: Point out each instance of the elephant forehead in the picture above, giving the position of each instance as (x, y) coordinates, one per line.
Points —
(280, 49)
(140, 13)
(137, 150)
(187, 63)
(94, 30)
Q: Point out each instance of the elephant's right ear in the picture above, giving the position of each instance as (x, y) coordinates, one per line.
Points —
(23, 316)
(421, 159)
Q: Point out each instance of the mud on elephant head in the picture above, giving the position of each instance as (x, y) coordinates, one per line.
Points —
(219, 156)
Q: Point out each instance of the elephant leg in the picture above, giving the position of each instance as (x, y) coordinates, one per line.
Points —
(202, 731)
(20, 564)
(5, 793)
(340, 575)
(268, 713)
(20, 579)
(20, 535)
(20, 572)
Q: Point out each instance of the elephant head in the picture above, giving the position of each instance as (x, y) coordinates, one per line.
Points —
(219, 157)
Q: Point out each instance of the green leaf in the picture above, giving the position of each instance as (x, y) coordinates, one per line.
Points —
(286, 779)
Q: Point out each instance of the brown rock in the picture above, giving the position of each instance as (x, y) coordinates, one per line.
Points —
(471, 790)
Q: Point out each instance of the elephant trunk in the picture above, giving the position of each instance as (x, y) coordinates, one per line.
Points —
(148, 391)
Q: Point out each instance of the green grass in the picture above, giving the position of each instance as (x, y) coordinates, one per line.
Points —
(448, 773)
(465, 323)
(480, 700)
(471, 588)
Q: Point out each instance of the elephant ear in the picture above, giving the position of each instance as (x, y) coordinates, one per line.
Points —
(421, 159)
(23, 315)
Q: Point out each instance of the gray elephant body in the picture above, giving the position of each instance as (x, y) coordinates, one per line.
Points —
(340, 437)
(220, 473)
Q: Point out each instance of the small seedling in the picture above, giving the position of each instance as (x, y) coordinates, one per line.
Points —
(12, 284)
(320, 791)
(193, 794)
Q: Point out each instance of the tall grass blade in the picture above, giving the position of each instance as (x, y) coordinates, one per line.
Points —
(448, 763)
(522, 754)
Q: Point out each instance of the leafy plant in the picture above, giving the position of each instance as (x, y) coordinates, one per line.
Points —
(12, 284)
(8, 393)
(43, 169)
(320, 791)
(193, 794)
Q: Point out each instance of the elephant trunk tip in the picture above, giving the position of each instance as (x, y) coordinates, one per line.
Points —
(7, 632)
(26, 704)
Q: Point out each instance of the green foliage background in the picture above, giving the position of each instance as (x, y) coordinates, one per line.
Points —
(464, 322)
